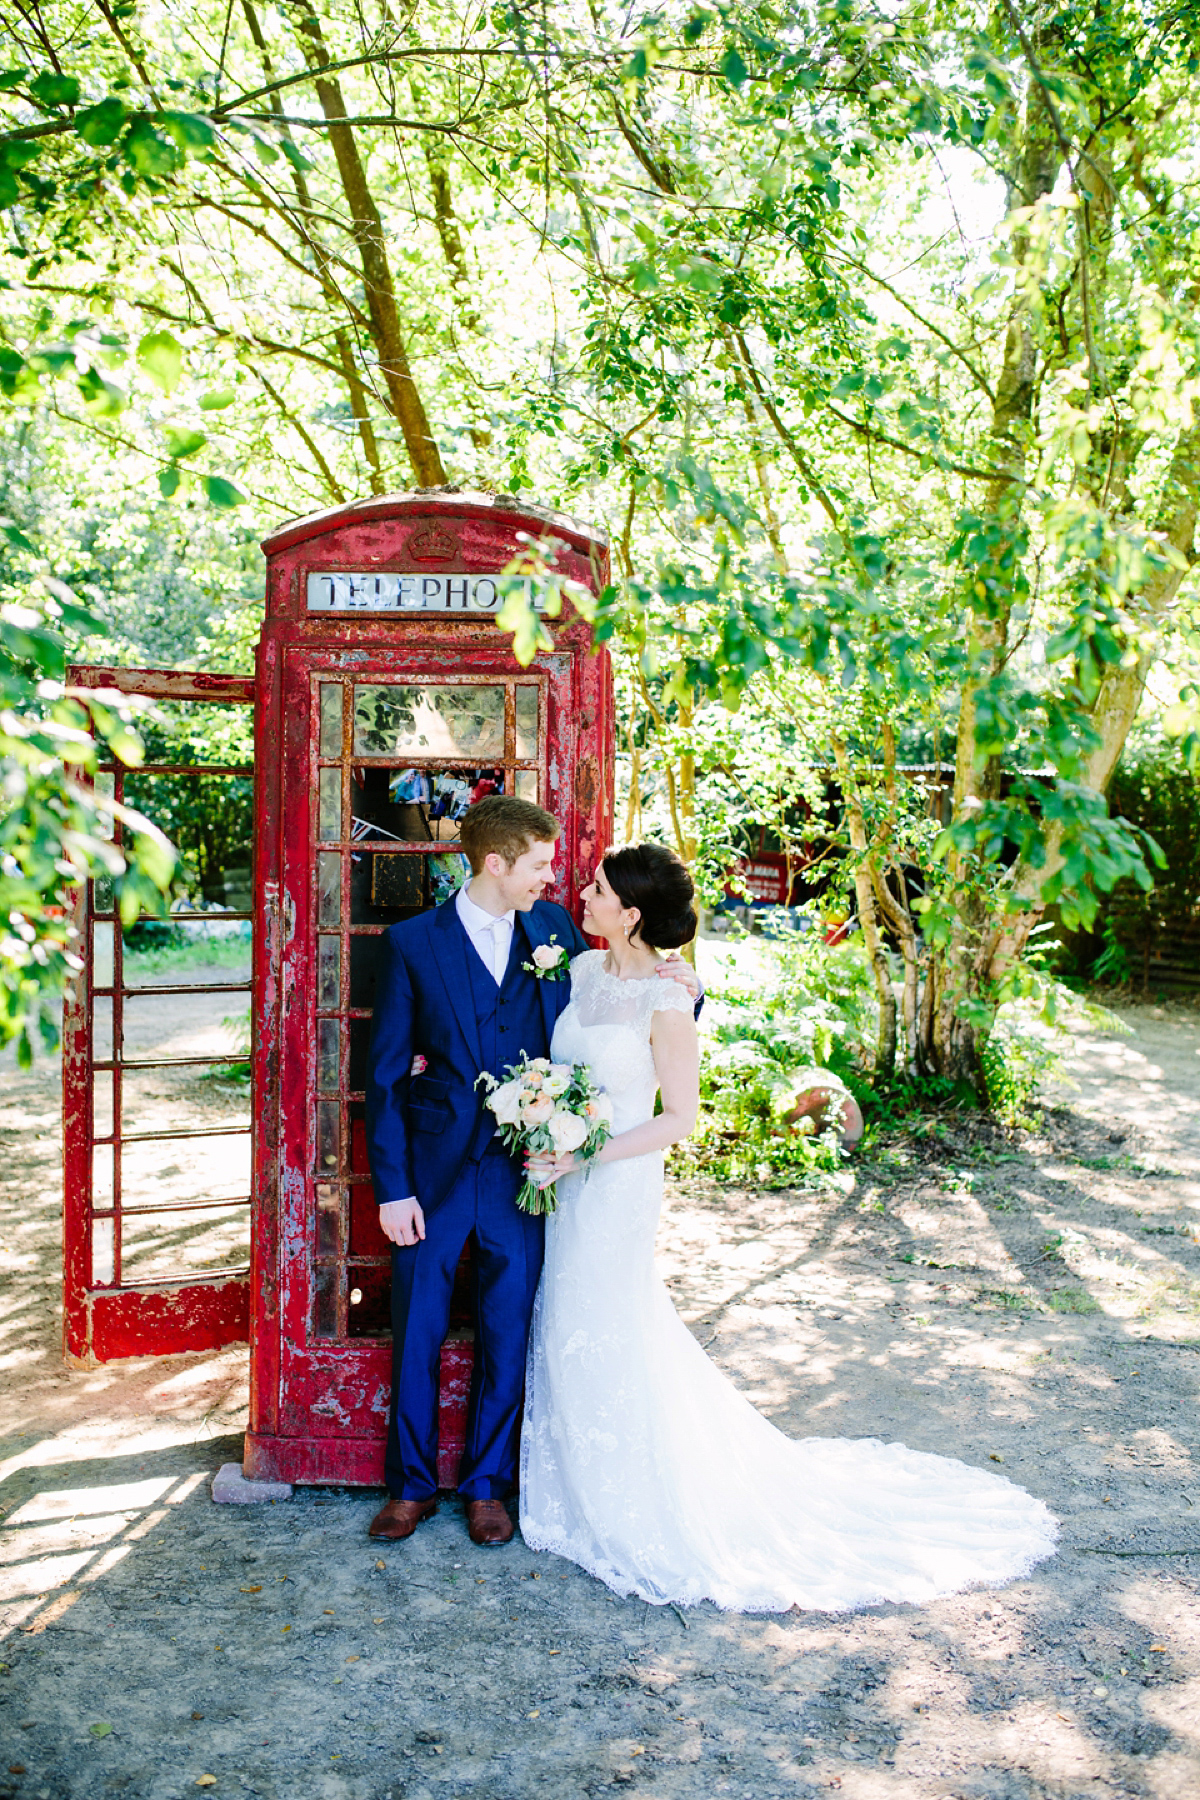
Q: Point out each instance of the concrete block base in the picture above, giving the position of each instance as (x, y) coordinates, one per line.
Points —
(230, 1488)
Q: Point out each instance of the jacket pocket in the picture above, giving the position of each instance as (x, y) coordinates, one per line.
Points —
(431, 1120)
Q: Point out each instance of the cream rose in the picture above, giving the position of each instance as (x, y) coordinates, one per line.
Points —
(546, 956)
(505, 1102)
(567, 1132)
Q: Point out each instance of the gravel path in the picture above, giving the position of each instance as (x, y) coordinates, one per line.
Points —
(1033, 1302)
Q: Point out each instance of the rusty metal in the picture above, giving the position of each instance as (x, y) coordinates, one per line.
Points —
(103, 1319)
(194, 1131)
(197, 987)
(170, 1206)
(243, 770)
(165, 684)
(164, 1062)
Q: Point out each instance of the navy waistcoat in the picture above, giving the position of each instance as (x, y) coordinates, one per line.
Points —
(509, 1018)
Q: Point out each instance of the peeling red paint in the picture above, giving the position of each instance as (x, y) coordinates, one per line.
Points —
(108, 1318)
(319, 1406)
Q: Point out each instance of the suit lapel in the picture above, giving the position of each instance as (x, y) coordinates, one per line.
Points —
(451, 950)
(528, 924)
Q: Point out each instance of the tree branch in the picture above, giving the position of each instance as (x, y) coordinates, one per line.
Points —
(954, 468)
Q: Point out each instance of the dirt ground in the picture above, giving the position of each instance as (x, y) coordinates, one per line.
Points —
(1033, 1302)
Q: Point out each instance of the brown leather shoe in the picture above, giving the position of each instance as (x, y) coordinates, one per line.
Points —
(488, 1522)
(400, 1518)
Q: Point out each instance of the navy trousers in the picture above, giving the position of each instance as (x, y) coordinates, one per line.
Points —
(507, 1265)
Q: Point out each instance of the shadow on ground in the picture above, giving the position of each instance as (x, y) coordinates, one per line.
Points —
(154, 1645)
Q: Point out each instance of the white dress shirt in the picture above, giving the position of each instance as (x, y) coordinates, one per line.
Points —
(490, 937)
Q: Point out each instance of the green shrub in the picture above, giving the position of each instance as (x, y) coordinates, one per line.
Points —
(1016, 1061)
(1155, 789)
(810, 1005)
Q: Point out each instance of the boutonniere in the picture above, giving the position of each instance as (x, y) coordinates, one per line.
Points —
(551, 962)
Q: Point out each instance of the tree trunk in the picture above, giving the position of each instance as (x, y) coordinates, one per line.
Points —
(367, 228)
(1115, 706)
(341, 337)
(868, 919)
(956, 1046)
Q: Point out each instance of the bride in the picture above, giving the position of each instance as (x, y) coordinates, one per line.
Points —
(640, 1461)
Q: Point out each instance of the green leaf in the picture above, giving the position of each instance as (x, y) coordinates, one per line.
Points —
(222, 492)
(149, 152)
(103, 399)
(50, 90)
(11, 78)
(100, 1729)
(183, 442)
(19, 151)
(733, 68)
(82, 619)
(298, 161)
(161, 355)
(700, 275)
(15, 535)
(168, 482)
(101, 124)
(529, 635)
(191, 131)
(217, 399)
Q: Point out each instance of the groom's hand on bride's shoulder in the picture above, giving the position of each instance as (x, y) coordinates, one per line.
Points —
(402, 1222)
(675, 969)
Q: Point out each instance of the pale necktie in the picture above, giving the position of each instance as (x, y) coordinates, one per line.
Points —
(499, 949)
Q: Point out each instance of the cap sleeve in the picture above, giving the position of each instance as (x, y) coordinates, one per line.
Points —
(667, 996)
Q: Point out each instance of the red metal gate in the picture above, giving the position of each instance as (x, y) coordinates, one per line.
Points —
(156, 1148)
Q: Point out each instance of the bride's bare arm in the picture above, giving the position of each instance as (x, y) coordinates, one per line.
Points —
(676, 1050)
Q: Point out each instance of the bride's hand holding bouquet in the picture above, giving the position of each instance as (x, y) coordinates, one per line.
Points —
(556, 1113)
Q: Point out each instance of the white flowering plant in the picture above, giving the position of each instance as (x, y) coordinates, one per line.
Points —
(548, 1109)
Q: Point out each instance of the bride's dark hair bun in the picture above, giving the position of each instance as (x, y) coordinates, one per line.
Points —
(652, 878)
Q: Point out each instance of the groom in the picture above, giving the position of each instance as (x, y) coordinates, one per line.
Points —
(459, 989)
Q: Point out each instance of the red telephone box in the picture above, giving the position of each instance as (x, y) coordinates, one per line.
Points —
(385, 702)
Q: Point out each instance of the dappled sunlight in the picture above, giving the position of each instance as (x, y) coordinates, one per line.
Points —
(915, 1308)
(1156, 1089)
(67, 1534)
(76, 1502)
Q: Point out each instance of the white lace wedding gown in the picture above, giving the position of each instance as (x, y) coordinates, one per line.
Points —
(644, 1465)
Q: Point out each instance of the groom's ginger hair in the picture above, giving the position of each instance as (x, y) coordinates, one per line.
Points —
(505, 826)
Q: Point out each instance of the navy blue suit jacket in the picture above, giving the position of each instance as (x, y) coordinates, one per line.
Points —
(420, 1128)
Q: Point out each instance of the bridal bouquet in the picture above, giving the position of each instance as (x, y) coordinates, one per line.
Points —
(549, 1109)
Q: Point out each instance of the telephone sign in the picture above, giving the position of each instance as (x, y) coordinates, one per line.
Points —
(335, 591)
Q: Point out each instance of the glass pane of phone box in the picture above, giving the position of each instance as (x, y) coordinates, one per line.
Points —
(417, 805)
(369, 1313)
